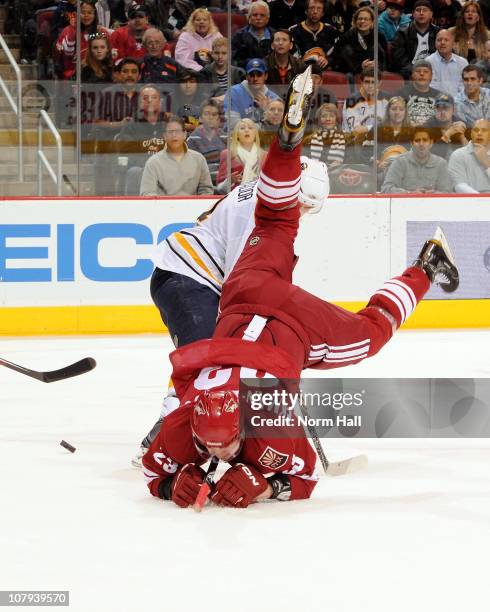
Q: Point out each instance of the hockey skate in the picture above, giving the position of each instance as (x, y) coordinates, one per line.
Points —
(437, 262)
(293, 124)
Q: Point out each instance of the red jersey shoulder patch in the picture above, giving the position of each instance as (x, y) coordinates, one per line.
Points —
(273, 459)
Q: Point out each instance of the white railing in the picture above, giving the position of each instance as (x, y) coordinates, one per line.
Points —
(15, 106)
(42, 160)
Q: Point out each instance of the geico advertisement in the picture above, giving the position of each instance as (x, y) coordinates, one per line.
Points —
(86, 251)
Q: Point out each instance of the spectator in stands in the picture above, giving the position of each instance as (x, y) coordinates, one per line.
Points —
(473, 102)
(445, 13)
(470, 33)
(484, 65)
(286, 13)
(120, 101)
(327, 142)
(97, 65)
(255, 39)
(169, 16)
(356, 47)
(65, 14)
(250, 97)
(194, 45)
(418, 171)
(340, 12)
(187, 100)
(469, 166)
(176, 170)
(65, 50)
(394, 128)
(359, 117)
(359, 109)
(446, 65)
(314, 38)
(392, 19)
(269, 125)
(140, 139)
(208, 139)
(419, 95)
(127, 41)
(246, 156)
(216, 73)
(448, 131)
(282, 66)
(416, 41)
(158, 67)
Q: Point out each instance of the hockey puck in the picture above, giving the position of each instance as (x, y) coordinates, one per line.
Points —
(68, 446)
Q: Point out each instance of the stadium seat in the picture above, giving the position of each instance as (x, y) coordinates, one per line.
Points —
(221, 20)
(339, 84)
(391, 82)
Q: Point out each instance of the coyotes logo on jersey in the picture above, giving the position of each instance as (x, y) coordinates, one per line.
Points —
(273, 459)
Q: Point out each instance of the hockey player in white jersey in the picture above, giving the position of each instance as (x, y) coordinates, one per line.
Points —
(192, 265)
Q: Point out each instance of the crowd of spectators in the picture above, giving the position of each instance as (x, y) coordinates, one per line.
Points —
(165, 104)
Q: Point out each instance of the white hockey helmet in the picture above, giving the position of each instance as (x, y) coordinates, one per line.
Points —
(315, 185)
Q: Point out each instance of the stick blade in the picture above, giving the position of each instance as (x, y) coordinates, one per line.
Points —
(347, 466)
(75, 369)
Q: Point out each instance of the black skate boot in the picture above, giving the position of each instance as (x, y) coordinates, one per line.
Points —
(293, 124)
(437, 262)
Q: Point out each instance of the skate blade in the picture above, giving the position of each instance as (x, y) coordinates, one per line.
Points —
(302, 86)
(440, 237)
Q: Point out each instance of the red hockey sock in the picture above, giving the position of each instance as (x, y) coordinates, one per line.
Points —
(401, 294)
(280, 177)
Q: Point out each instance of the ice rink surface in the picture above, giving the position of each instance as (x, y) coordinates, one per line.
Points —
(409, 534)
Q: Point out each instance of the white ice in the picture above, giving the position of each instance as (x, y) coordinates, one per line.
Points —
(411, 533)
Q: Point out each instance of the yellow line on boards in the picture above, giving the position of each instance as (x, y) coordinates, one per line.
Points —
(50, 320)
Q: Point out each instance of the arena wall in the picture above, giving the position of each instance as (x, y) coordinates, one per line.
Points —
(83, 265)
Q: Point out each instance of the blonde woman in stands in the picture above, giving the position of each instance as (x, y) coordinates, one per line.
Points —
(470, 33)
(246, 156)
(194, 45)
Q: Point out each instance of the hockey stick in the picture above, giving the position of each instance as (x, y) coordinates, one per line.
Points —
(336, 468)
(205, 489)
(75, 369)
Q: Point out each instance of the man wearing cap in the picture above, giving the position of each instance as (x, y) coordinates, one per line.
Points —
(469, 166)
(392, 19)
(416, 41)
(255, 39)
(419, 95)
(448, 131)
(250, 97)
(446, 65)
(127, 41)
(473, 102)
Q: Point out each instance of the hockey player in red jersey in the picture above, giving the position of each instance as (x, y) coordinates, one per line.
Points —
(268, 326)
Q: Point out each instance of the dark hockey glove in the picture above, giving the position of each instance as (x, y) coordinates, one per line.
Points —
(239, 486)
(186, 484)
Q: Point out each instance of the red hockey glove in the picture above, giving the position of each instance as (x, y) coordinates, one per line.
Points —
(239, 486)
(186, 485)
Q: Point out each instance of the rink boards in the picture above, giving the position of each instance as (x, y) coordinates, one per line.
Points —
(83, 265)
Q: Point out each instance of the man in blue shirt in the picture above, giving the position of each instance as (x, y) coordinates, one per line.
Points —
(392, 19)
(250, 97)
